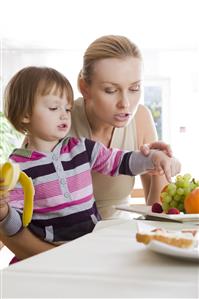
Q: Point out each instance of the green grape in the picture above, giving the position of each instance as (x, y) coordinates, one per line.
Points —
(192, 186)
(176, 192)
(187, 177)
(180, 183)
(167, 198)
(177, 197)
(180, 191)
(163, 194)
(171, 188)
(187, 191)
(165, 206)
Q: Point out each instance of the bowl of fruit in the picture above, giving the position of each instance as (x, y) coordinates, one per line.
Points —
(180, 196)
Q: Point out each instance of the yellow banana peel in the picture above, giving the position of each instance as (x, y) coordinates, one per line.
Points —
(12, 174)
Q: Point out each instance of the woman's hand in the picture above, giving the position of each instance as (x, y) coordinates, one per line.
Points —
(158, 145)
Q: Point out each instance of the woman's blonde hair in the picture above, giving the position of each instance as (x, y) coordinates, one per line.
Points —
(108, 46)
(22, 89)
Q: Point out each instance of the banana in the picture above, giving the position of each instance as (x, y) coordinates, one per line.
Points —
(12, 174)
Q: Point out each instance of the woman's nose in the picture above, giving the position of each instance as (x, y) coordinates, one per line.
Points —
(124, 101)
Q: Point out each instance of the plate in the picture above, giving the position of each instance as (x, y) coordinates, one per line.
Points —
(162, 248)
(191, 254)
(146, 210)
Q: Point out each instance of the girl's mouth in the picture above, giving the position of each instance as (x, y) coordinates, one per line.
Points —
(62, 127)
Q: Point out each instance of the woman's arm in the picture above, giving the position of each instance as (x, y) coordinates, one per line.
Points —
(146, 133)
(24, 244)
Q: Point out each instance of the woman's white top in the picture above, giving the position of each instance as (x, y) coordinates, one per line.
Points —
(108, 191)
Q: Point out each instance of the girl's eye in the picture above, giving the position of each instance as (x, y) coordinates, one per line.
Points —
(68, 110)
(53, 108)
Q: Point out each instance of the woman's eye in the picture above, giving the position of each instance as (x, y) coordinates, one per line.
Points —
(68, 110)
(110, 90)
(53, 108)
(135, 88)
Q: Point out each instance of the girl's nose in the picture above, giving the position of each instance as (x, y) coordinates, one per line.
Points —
(64, 115)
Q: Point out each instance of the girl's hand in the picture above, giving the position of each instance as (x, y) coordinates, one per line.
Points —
(159, 145)
(4, 197)
(165, 165)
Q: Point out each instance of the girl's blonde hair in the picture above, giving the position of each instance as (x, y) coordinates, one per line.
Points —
(22, 89)
(108, 46)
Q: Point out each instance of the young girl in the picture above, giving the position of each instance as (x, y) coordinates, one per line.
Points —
(38, 102)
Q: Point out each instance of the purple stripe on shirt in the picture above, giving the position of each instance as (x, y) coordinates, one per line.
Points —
(76, 161)
(40, 170)
(89, 144)
(124, 167)
(69, 219)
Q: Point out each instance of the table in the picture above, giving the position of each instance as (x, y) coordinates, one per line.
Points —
(107, 263)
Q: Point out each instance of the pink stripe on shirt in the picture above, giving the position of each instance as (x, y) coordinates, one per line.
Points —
(112, 157)
(34, 156)
(48, 189)
(67, 148)
(79, 181)
(64, 205)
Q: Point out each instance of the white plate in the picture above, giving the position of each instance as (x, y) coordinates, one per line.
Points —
(146, 210)
(188, 254)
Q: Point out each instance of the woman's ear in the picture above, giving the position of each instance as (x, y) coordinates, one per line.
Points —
(84, 88)
(26, 119)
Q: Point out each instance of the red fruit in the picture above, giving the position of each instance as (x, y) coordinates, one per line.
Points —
(157, 208)
(173, 211)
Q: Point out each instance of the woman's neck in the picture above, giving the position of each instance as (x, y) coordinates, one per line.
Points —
(99, 131)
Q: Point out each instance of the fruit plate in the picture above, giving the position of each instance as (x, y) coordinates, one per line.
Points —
(146, 211)
(191, 254)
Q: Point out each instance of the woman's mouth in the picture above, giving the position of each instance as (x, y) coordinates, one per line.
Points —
(122, 116)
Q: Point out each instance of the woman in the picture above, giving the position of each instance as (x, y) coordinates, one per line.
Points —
(110, 112)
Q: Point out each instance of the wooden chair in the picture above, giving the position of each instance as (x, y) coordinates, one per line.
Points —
(1, 245)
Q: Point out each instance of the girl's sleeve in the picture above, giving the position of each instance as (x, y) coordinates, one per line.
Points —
(12, 224)
(112, 161)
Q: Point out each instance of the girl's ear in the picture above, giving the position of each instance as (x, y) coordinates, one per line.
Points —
(84, 88)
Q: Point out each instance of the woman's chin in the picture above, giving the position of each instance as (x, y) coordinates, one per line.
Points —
(122, 124)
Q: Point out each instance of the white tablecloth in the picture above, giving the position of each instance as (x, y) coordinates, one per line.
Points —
(107, 263)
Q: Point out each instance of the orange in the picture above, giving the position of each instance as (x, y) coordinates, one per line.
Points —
(191, 202)
(163, 190)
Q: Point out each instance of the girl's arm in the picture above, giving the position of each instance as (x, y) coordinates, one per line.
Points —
(24, 244)
(146, 133)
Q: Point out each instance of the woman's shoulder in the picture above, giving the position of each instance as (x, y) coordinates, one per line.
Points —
(145, 126)
(78, 103)
(142, 111)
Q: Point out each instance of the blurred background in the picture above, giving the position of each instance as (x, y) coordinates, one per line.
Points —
(55, 33)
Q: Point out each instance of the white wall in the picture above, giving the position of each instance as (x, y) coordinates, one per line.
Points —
(181, 68)
(57, 32)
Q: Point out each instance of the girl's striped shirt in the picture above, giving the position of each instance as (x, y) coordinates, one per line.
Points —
(64, 204)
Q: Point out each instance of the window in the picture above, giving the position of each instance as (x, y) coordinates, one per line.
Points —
(156, 98)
